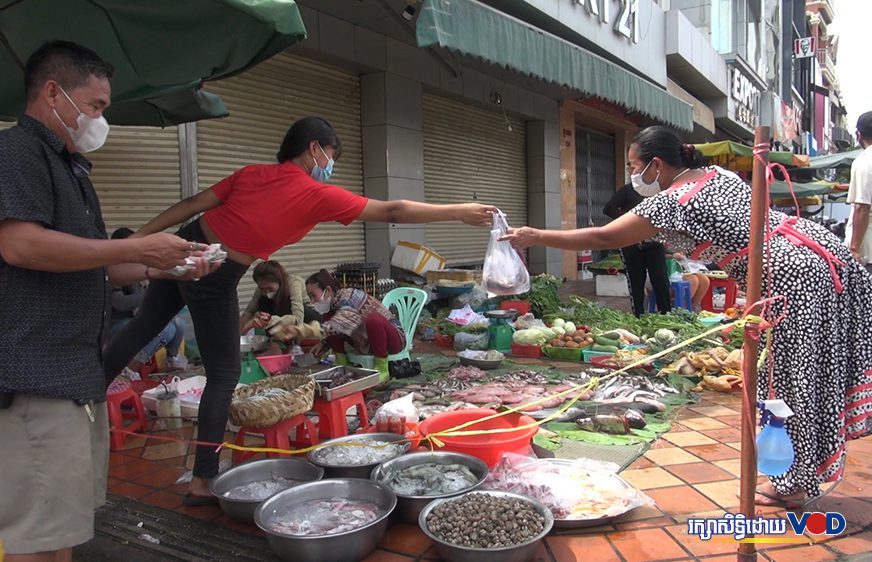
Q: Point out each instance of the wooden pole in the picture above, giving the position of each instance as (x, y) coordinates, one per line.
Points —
(759, 216)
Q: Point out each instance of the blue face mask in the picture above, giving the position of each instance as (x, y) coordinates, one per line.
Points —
(322, 174)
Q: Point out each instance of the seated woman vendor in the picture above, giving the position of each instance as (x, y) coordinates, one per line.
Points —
(277, 294)
(352, 317)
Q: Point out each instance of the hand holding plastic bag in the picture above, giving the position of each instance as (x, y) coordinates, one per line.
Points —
(504, 272)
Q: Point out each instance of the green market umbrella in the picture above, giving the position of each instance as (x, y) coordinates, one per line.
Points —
(162, 50)
(837, 160)
(740, 158)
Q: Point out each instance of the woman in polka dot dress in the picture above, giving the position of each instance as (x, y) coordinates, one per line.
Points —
(821, 349)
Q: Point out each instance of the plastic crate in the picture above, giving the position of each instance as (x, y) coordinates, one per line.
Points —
(521, 350)
(521, 306)
(275, 364)
(563, 353)
(589, 354)
(444, 341)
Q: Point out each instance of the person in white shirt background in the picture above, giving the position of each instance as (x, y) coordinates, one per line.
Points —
(858, 235)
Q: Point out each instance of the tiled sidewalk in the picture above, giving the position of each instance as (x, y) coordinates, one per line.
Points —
(691, 471)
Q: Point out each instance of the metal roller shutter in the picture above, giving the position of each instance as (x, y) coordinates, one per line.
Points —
(136, 175)
(263, 103)
(469, 154)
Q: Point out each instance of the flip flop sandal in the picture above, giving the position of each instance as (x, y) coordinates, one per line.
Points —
(777, 501)
(191, 500)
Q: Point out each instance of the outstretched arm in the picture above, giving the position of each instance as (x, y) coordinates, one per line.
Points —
(403, 211)
(180, 212)
(626, 230)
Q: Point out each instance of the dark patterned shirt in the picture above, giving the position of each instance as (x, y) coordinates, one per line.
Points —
(51, 324)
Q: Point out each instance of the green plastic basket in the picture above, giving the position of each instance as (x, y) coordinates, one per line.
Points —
(589, 354)
(252, 371)
(562, 353)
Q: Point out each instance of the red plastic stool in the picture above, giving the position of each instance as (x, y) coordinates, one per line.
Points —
(331, 415)
(277, 437)
(120, 393)
(715, 283)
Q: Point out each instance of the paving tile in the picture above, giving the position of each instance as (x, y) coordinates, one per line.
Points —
(650, 523)
(737, 445)
(722, 493)
(649, 478)
(680, 499)
(639, 514)
(733, 466)
(164, 451)
(815, 553)
(129, 490)
(406, 539)
(646, 545)
(699, 547)
(727, 435)
(133, 442)
(713, 452)
(698, 472)
(570, 549)
(541, 554)
(133, 470)
(162, 477)
(699, 423)
(731, 421)
(855, 510)
(166, 500)
(856, 544)
(640, 463)
(681, 518)
(714, 411)
(117, 459)
(669, 455)
(688, 438)
(385, 556)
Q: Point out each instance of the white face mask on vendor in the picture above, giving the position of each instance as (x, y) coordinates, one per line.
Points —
(323, 306)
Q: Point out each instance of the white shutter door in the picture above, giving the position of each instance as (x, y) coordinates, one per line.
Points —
(136, 175)
(469, 154)
(263, 103)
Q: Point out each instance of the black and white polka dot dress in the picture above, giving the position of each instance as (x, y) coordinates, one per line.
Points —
(822, 350)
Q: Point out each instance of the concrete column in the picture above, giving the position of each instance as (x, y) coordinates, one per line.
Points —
(543, 188)
(393, 156)
(568, 194)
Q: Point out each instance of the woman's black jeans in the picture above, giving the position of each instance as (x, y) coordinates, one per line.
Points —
(214, 307)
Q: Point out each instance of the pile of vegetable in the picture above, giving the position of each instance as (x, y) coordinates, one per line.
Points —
(543, 295)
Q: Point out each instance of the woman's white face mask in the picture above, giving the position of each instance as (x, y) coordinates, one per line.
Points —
(323, 305)
(644, 188)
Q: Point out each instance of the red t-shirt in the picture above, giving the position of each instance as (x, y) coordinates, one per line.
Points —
(268, 206)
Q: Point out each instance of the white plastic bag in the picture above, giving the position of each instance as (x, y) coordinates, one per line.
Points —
(400, 408)
(504, 272)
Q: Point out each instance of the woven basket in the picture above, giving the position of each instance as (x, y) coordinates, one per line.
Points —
(255, 406)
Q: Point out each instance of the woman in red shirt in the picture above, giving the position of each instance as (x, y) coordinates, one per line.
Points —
(253, 213)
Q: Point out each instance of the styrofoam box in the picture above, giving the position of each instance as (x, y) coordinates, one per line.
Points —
(612, 286)
(416, 258)
(190, 402)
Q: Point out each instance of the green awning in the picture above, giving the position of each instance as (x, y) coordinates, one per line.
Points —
(838, 160)
(740, 157)
(173, 109)
(779, 189)
(476, 30)
(162, 50)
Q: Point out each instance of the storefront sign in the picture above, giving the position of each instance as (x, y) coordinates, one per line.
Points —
(747, 98)
(803, 47)
(626, 14)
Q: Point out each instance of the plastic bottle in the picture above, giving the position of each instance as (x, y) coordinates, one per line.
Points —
(774, 448)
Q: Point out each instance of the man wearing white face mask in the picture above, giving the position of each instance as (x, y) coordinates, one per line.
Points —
(56, 267)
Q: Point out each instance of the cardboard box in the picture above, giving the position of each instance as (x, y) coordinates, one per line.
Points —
(416, 258)
(612, 286)
(462, 275)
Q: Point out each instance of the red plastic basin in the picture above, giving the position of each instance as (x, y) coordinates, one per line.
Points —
(488, 447)
(274, 364)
